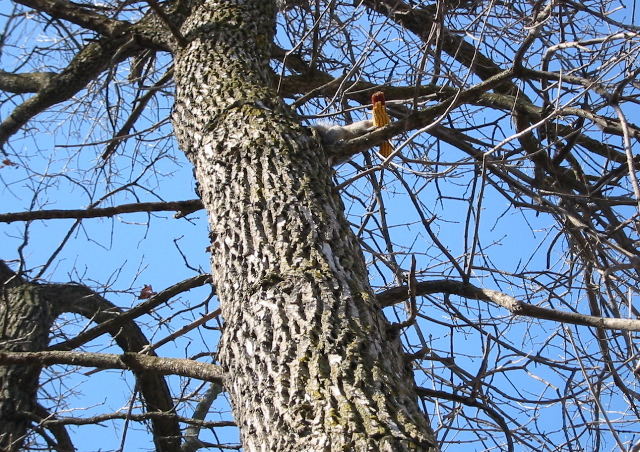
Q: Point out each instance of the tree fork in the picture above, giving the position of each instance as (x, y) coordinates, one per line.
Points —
(309, 363)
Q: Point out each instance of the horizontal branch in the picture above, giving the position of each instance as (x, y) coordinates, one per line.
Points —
(51, 421)
(181, 207)
(79, 15)
(26, 82)
(465, 290)
(128, 361)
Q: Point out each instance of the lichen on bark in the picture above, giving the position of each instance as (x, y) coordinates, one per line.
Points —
(309, 363)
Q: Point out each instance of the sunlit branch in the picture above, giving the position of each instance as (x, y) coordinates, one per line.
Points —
(127, 361)
(466, 290)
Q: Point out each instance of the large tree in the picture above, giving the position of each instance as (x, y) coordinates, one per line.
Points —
(476, 287)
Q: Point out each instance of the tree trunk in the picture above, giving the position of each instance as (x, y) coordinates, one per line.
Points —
(26, 314)
(24, 326)
(311, 362)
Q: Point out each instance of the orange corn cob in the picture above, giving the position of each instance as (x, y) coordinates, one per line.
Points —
(380, 119)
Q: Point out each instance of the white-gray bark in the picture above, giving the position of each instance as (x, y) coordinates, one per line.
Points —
(311, 363)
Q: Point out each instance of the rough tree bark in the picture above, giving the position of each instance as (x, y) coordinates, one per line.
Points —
(311, 361)
(27, 311)
(24, 326)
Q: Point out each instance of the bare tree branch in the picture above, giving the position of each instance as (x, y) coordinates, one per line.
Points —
(79, 15)
(28, 82)
(127, 361)
(110, 319)
(466, 290)
(179, 206)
